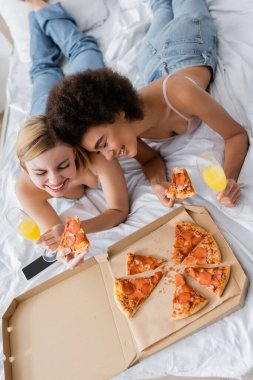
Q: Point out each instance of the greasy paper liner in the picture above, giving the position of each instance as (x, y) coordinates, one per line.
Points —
(152, 322)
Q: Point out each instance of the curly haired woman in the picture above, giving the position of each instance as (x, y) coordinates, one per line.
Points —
(103, 112)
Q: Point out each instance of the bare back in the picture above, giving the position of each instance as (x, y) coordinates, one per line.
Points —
(165, 120)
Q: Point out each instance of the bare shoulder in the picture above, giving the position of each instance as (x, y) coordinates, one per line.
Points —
(99, 164)
(185, 94)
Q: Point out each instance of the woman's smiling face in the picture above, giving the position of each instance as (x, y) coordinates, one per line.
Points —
(111, 140)
(53, 170)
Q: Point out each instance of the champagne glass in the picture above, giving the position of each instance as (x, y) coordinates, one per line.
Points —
(26, 227)
(211, 172)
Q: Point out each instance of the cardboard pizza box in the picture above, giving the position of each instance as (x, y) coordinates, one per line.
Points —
(70, 327)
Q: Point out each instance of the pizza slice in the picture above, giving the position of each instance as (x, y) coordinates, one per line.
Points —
(214, 279)
(181, 186)
(130, 293)
(187, 236)
(206, 252)
(138, 263)
(186, 300)
(73, 240)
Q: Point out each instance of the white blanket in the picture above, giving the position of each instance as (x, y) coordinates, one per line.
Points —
(226, 347)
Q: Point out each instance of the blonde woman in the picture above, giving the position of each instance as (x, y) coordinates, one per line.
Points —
(53, 169)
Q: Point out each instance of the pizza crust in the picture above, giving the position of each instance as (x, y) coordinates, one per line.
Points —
(191, 312)
(129, 260)
(221, 289)
(125, 311)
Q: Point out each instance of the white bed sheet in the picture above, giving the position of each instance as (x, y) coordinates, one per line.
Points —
(226, 347)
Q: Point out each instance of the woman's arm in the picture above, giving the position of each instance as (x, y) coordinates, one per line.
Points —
(35, 203)
(115, 192)
(191, 100)
(155, 170)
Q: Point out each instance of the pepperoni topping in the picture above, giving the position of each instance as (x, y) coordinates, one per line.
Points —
(195, 240)
(70, 240)
(205, 278)
(189, 260)
(186, 249)
(199, 252)
(186, 288)
(145, 289)
(128, 287)
(79, 238)
(148, 261)
(184, 297)
(180, 179)
(140, 282)
(179, 280)
(187, 235)
(179, 241)
(135, 270)
(73, 226)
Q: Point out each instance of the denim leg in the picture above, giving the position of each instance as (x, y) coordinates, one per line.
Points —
(81, 50)
(189, 7)
(45, 70)
(187, 39)
(162, 15)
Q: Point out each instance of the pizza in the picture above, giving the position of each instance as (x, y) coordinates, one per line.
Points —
(186, 300)
(138, 263)
(187, 237)
(130, 293)
(206, 252)
(73, 240)
(181, 186)
(214, 279)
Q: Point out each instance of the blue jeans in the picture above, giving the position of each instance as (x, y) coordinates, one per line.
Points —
(53, 33)
(182, 34)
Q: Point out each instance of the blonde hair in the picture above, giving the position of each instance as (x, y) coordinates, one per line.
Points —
(36, 137)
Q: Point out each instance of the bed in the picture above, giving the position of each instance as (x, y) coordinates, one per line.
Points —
(226, 347)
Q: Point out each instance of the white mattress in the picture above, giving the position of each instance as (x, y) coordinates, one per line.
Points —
(226, 347)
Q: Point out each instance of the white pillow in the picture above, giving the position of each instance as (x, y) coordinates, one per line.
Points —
(88, 14)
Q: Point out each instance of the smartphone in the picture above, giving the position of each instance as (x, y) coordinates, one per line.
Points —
(35, 267)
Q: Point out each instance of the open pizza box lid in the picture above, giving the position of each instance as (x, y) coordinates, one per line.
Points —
(70, 327)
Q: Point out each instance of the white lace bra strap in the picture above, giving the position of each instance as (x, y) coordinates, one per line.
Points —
(167, 100)
(166, 97)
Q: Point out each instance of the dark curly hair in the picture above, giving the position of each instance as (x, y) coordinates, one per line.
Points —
(90, 98)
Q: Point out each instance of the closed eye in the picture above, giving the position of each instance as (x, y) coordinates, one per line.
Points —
(41, 173)
(63, 167)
